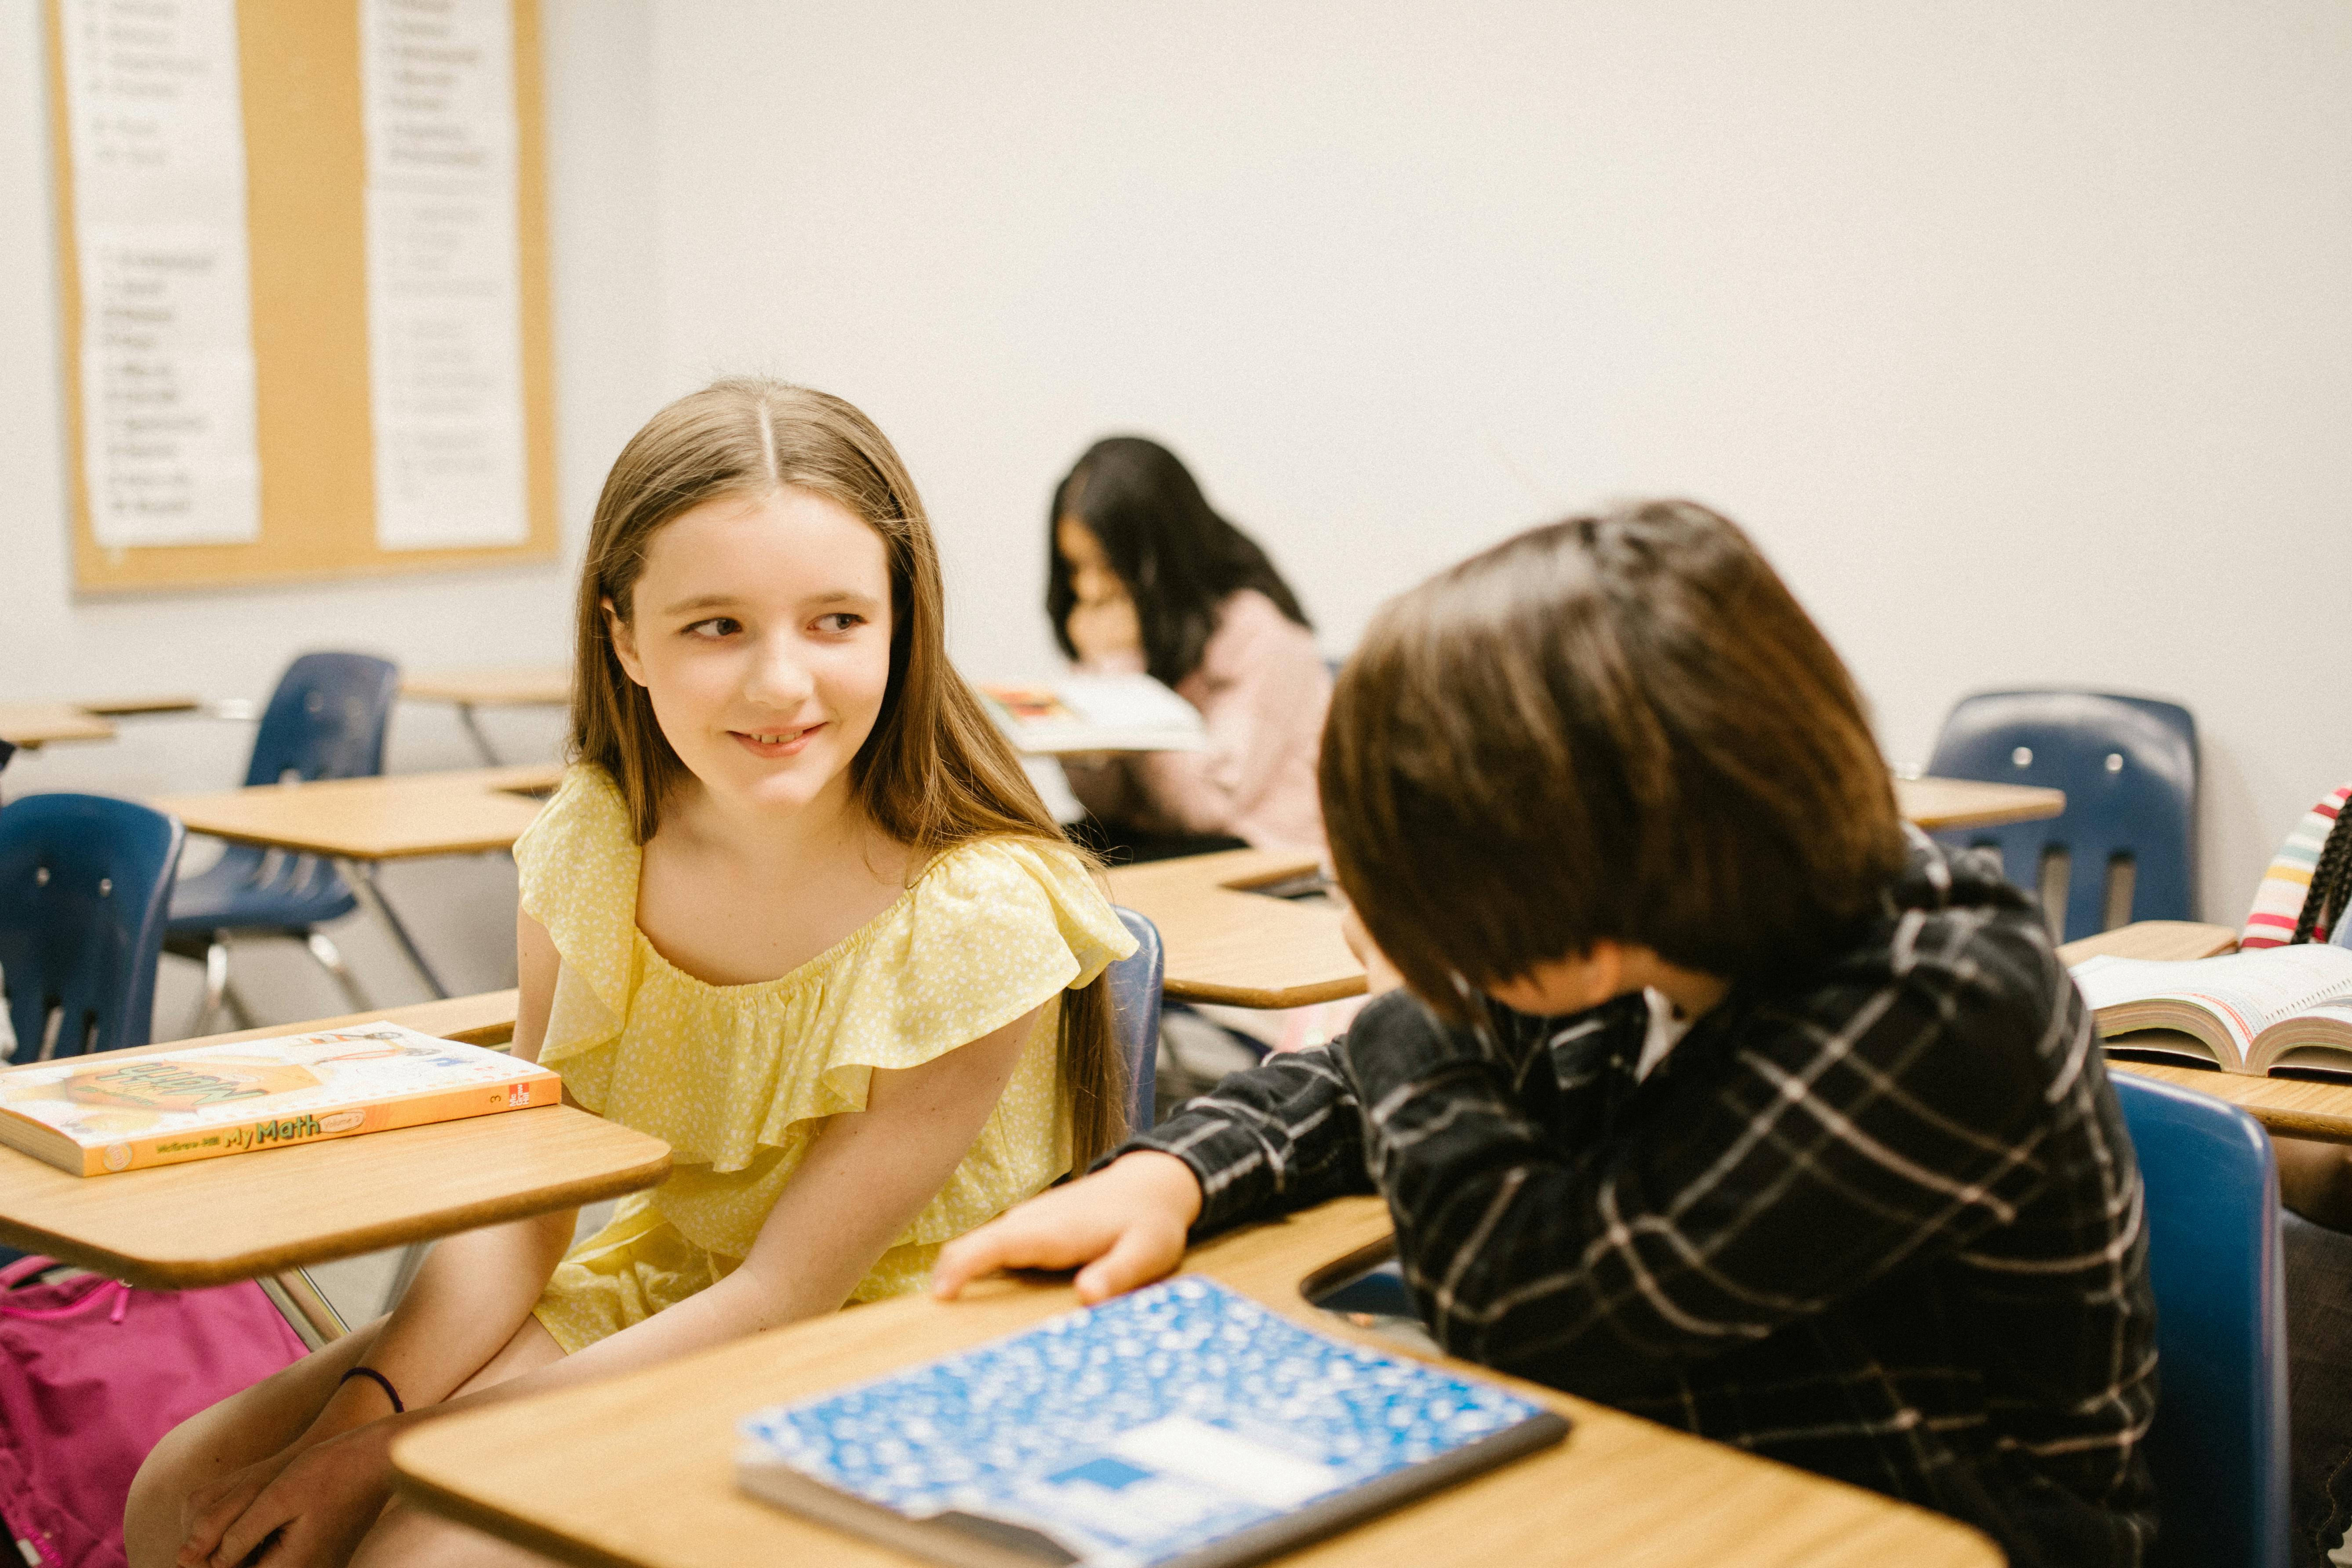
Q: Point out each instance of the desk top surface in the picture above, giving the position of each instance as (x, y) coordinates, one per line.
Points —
(1938, 804)
(2290, 1108)
(133, 706)
(212, 1221)
(639, 1470)
(396, 816)
(493, 686)
(35, 724)
(1244, 949)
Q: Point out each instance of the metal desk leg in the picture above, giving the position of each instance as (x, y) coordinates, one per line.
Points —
(474, 728)
(362, 877)
(304, 1306)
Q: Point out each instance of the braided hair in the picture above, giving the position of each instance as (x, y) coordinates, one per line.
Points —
(2331, 881)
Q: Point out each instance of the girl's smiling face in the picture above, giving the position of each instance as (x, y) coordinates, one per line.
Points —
(759, 627)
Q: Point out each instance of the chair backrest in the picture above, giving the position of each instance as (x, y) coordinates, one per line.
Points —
(85, 882)
(2128, 765)
(2219, 1444)
(1135, 983)
(326, 719)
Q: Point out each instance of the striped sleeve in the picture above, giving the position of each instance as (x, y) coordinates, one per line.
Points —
(2278, 902)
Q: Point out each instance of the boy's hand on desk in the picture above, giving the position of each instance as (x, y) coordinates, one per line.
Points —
(1120, 1227)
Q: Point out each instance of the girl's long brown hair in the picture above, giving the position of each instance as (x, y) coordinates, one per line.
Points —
(936, 772)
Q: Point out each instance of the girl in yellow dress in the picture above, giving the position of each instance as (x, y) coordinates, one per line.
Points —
(795, 911)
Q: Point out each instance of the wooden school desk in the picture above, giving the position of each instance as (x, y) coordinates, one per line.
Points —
(212, 1221)
(1225, 944)
(2286, 1106)
(33, 725)
(639, 1470)
(359, 823)
(2164, 940)
(1937, 804)
(140, 707)
(484, 686)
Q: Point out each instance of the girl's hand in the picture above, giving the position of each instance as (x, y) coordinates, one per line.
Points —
(1126, 1224)
(1105, 628)
(318, 1505)
(210, 1510)
(1380, 976)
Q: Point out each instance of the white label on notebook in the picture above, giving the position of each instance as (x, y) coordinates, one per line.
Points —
(1237, 1466)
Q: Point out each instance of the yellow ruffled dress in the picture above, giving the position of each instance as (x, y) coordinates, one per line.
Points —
(737, 1078)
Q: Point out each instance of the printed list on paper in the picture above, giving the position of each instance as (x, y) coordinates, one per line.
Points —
(445, 312)
(156, 139)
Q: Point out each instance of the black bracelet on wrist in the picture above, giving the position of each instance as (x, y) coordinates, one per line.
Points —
(380, 1381)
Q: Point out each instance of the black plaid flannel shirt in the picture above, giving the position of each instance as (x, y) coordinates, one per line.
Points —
(1883, 1222)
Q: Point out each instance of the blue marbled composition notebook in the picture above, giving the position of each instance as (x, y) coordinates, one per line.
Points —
(1182, 1424)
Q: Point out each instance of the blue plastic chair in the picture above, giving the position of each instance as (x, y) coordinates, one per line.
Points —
(83, 884)
(2219, 1444)
(1135, 984)
(2128, 765)
(326, 720)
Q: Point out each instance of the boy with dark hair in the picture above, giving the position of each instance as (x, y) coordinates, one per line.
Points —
(1713, 1094)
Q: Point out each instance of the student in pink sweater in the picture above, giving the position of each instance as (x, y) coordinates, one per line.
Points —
(1144, 575)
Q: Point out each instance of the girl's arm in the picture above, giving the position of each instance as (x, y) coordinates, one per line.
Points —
(860, 1186)
(476, 1288)
(464, 1306)
(863, 1181)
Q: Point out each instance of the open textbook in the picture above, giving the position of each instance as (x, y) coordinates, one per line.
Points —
(1181, 1426)
(1096, 713)
(120, 1110)
(2285, 1011)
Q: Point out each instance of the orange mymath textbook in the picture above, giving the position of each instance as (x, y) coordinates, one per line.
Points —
(120, 1112)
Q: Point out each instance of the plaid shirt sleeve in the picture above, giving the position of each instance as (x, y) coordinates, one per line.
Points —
(1285, 1135)
(1848, 1133)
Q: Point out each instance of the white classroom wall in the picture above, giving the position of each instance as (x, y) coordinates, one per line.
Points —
(2019, 335)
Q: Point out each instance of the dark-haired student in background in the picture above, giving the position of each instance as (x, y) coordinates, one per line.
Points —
(1143, 574)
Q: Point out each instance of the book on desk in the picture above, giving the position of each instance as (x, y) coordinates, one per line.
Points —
(1095, 714)
(115, 1111)
(2282, 1011)
(1181, 1427)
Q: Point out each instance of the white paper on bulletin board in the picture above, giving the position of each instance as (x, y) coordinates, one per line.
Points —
(156, 135)
(443, 273)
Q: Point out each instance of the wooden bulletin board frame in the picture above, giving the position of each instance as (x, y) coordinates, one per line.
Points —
(305, 173)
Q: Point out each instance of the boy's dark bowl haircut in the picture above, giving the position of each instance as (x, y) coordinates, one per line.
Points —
(1619, 726)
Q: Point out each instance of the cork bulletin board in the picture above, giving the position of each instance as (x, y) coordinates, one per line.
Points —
(297, 458)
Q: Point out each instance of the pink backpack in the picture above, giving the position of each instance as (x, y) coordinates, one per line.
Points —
(92, 1374)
